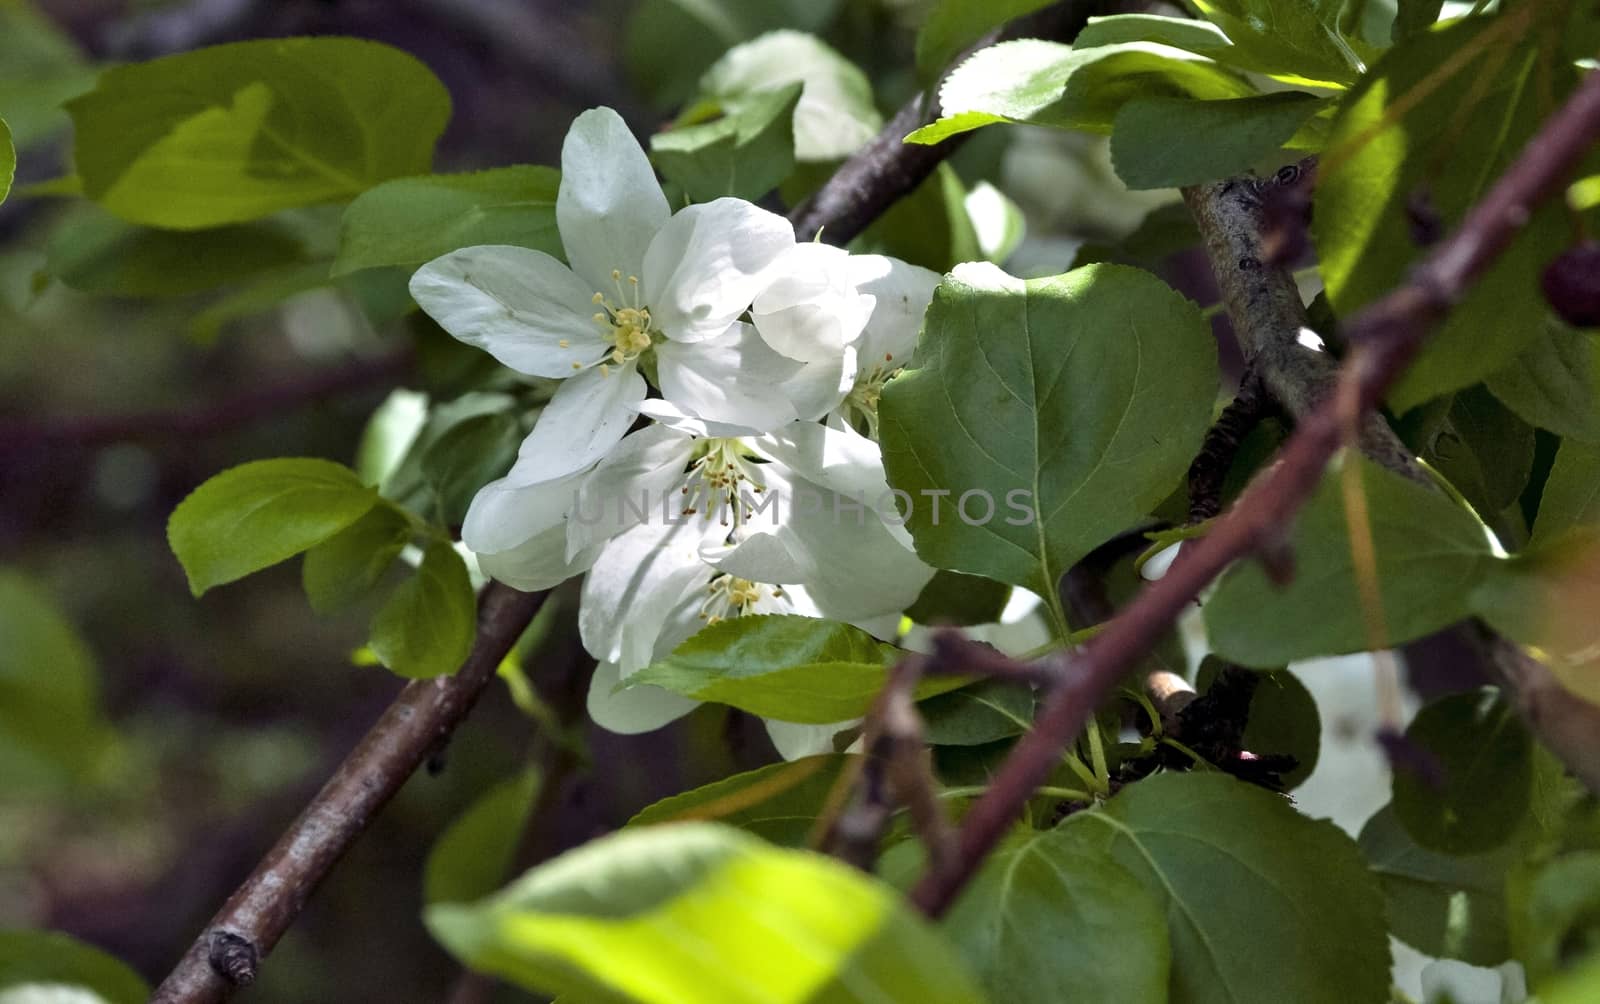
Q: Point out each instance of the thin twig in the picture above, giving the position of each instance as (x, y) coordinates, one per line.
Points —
(229, 951)
(1384, 338)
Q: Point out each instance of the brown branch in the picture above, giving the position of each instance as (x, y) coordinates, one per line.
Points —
(887, 168)
(229, 951)
(1384, 338)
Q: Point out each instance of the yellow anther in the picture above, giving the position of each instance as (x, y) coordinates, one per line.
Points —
(564, 344)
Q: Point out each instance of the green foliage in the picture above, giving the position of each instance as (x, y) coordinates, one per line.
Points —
(1556, 918)
(1482, 448)
(343, 568)
(952, 599)
(1169, 142)
(420, 440)
(954, 25)
(231, 133)
(1442, 904)
(1262, 903)
(1047, 391)
(1301, 41)
(94, 252)
(1545, 598)
(695, 912)
(255, 515)
(8, 161)
(794, 669)
(1572, 492)
(671, 43)
(426, 626)
(1483, 757)
(472, 858)
(410, 221)
(745, 153)
(1078, 926)
(1413, 132)
(982, 713)
(1046, 83)
(467, 456)
(1430, 554)
(779, 803)
(1282, 718)
(1554, 383)
(51, 730)
(46, 957)
(930, 227)
(40, 67)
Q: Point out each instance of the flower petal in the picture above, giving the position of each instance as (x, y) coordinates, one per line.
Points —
(834, 457)
(635, 484)
(636, 583)
(541, 562)
(632, 710)
(609, 205)
(705, 266)
(902, 293)
(521, 306)
(583, 421)
(733, 378)
(794, 740)
(673, 417)
(812, 309)
(509, 512)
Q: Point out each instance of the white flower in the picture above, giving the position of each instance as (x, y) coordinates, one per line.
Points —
(641, 277)
(851, 320)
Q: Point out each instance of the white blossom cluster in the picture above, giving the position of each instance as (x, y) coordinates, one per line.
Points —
(711, 449)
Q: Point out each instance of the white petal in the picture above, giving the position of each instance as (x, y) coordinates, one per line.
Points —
(902, 293)
(509, 512)
(856, 568)
(812, 308)
(521, 306)
(705, 266)
(836, 458)
(794, 740)
(818, 388)
(674, 417)
(632, 710)
(609, 205)
(636, 583)
(541, 562)
(629, 486)
(583, 421)
(733, 378)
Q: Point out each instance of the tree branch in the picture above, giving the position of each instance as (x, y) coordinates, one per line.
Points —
(228, 952)
(1384, 338)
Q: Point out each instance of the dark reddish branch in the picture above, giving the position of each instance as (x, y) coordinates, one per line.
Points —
(877, 175)
(208, 420)
(1384, 338)
(229, 950)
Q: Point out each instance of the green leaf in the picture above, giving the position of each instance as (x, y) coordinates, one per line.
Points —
(1483, 449)
(474, 855)
(8, 161)
(696, 912)
(343, 568)
(410, 221)
(1047, 395)
(1440, 904)
(1413, 17)
(425, 628)
(955, 25)
(952, 599)
(255, 515)
(1430, 554)
(1046, 83)
(1282, 718)
(1048, 918)
(94, 252)
(268, 291)
(1545, 598)
(51, 729)
(1571, 494)
(783, 666)
(466, 457)
(835, 115)
(930, 227)
(405, 480)
(1262, 903)
(1363, 220)
(1199, 37)
(231, 133)
(985, 712)
(1555, 382)
(1299, 41)
(1171, 142)
(40, 67)
(671, 43)
(30, 957)
(1483, 752)
(780, 803)
(744, 154)
(1558, 917)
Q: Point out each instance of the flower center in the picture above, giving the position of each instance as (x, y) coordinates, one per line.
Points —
(860, 406)
(731, 596)
(718, 477)
(626, 321)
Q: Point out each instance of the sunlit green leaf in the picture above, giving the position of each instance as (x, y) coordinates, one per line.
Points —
(779, 803)
(1430, 553)
(410, 221)
(426, 626)
(743, 154)
(231, 133)
(8, 161)
(1300, 41)
(954, 25)
(258, 514)
(1070, 406)
(1262, 904)
(696, 912)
